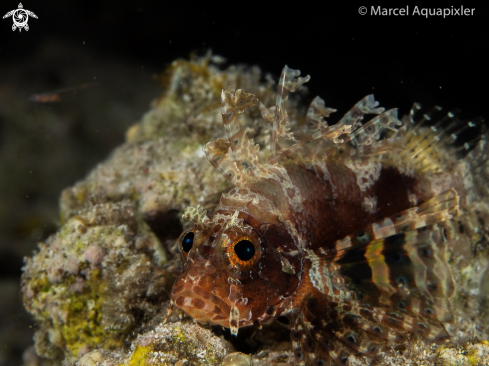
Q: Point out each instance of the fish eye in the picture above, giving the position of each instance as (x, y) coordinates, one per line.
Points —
(188, 241)
(245, 250)
(242, 251)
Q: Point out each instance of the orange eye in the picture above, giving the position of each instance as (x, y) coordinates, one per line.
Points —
(242, 252)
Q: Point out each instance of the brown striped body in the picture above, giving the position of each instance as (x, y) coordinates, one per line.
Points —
(334, 206)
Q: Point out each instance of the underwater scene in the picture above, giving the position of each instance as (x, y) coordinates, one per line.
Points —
(243, 185)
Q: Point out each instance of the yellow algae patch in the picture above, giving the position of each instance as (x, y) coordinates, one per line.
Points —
(177, 344)
(140, 356)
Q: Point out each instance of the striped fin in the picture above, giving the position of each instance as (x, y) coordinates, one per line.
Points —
(330, 133)
(433, 143)
(354, 117)
(345, 328)
(402, 259)
(289, 82)
(440, 208)
(316, 113)
(268, 114)
(362, 142)
(379, 286)
(324, 333)
(364, 139)
(370, 132)
(407, 271)
(313, 339)
(232, 105)
(236, 155)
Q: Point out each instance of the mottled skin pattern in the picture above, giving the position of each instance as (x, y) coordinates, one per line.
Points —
(347, 231)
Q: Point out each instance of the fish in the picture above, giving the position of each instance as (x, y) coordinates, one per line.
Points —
(55, 96)
(341, 229)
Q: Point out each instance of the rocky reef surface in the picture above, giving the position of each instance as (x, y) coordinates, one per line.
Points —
(99, 288)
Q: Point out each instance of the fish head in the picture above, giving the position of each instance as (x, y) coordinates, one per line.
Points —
(238, 270)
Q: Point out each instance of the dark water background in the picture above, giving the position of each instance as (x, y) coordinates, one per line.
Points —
(122, 45)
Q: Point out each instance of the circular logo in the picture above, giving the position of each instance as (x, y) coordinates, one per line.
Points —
(362, 10)
(20, 17)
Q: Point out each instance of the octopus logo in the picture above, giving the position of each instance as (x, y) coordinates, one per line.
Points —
(20, 17)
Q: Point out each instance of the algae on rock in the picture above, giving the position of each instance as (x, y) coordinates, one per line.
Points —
(89, 282)
(168, 344)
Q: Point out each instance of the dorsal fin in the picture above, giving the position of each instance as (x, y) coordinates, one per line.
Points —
(238, 153)
(289, 81)
(236, 157)
(433, 142)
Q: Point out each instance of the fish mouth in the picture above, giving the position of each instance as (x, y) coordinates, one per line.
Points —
(200, 304)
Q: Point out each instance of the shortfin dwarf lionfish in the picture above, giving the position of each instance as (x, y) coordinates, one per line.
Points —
(344, 231)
